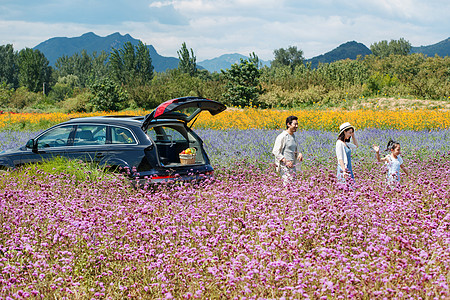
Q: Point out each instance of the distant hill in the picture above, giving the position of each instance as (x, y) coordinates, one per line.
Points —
(56, 47)
(442, 49)
(349, 50)
(59, 46)
(225, 61)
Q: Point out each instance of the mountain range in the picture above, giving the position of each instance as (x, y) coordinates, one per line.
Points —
(225, 61)
(58, 46)
(442, 49)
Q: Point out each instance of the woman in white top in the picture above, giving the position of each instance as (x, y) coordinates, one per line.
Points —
(345, 143)
(393, 162)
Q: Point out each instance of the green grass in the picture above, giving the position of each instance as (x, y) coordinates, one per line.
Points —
(76, 170)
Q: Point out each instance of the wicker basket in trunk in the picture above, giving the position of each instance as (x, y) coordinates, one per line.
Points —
(187, 159)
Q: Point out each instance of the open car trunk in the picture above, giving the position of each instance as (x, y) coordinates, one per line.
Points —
(170, 139)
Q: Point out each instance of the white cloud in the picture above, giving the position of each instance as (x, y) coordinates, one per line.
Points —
(197, 6)
(215, 27)
(24, 34)
(221, 7)
(190, 6)
(159, 4)
(256, 4)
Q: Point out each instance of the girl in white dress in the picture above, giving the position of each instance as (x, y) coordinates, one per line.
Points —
(392, 161)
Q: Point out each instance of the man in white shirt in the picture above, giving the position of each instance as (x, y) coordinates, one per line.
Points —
(285, 149)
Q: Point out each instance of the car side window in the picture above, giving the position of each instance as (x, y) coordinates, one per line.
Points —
(120, 135)
(57, 137)
(90, 135)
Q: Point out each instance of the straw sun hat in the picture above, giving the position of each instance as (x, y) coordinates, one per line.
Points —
(345, 126)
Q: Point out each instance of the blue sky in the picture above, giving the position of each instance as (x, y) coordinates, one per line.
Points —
(212, 28)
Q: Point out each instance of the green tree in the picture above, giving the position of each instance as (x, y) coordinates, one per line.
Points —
(108, 95)
(187, 63)
(342, 73)
(65, 65)
(100, 66)
(34, 71)
(377, 82)
(291, 57)
(400, 47)
(243, 86)
(132, 65)
(87, 68)
(380, 49)
(6, 94)
(384, 49)
(9, 69)
(64, 88)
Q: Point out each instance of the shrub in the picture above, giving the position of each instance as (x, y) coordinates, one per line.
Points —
(140, 97)
(276, 96)
(340, 95)
(314, 94)
(22, 98)
(60, 92)
(174, 84)
(108, 96)
(243, 86)
(79, 103)
(377, 82)
(213, 89)
(5, 94)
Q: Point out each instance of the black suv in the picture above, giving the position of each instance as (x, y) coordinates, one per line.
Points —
(146, 147)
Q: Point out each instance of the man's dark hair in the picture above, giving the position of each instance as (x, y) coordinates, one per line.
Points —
(290, 119)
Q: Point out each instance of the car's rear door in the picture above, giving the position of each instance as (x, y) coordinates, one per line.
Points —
(88, 143)
(124, 149)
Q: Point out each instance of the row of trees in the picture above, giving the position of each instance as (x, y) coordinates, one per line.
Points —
(125, 78)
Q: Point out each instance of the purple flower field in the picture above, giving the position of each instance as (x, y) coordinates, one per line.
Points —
(224, 147)
(15, 139)
(318, 147)
(242, 236)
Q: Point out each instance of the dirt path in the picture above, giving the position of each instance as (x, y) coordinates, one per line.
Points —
(402, 104)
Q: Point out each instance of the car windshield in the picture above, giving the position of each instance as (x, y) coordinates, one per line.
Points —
(170, 140)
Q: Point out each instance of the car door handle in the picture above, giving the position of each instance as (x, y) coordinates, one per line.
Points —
(99, 155)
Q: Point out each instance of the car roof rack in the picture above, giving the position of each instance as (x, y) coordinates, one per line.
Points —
(133, 117)
(120, 116)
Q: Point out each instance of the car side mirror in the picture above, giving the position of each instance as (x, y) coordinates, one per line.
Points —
(31, 145)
